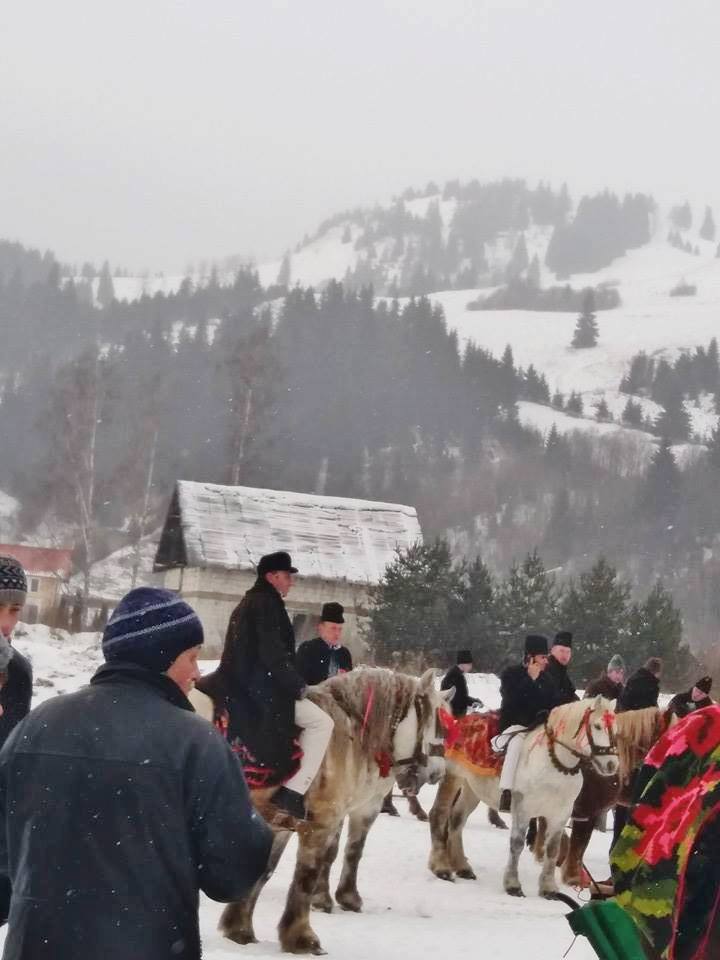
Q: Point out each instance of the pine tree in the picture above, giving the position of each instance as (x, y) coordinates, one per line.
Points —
(285, 272)
(602, 411)
(632, 415)
(575, 404)
(661, 487)
(527, 601)
(586, 330)
(713, 454)
(656, 631)
(106, 289)
(707, 230)
(558, 400)
(674, 421)
(478, 613)
(414, 607)
(533, 274)
(595, 608)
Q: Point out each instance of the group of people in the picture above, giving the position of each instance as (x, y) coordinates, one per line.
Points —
(118, 803)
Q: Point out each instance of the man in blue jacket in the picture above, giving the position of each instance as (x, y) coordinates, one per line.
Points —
(118, 804)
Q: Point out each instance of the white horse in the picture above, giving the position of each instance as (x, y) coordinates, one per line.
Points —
(547, 783)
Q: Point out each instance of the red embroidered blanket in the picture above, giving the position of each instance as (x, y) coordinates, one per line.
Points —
(468, 741)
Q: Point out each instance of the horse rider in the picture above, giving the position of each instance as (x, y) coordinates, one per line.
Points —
(455, 677)
(324, 656)
(267, 693)
(610, 682)
(696, 698)
(643, 688)
(557, 672)
(527, 695)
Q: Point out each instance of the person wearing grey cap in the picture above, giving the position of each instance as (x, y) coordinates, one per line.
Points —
(16, 692)
(610, 682)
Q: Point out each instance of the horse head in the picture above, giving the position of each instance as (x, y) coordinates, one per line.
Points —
(418, 742)
(585, 730)
(601, 737)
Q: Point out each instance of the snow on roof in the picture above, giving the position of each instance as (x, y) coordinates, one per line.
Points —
(111, 577)
(333, 538)
(40, 561)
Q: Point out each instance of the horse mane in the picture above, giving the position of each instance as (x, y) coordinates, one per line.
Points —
(392, 696)
(568, 717)
(636, 731)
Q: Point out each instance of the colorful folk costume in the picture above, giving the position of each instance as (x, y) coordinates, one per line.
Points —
(666, 863)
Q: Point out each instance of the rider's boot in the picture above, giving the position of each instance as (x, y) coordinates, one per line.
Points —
(505, 801)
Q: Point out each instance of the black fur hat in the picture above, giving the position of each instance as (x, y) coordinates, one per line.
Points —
(536, 645)
(563, 639)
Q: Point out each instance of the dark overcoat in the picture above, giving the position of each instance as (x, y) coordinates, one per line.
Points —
(260, 676)
(315, 658)
(461, 700)
(117, 806)
(563, 687)
(603, 686)
(641, 691)
(524, 701)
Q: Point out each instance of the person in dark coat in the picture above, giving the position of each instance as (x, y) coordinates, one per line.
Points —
(16, 676)
(266, 694)
(455, 677)
(324, 656)
(643, 687)
(557, 672)
(526, 698)
(610, 682)
(118, 804)
(696, 698)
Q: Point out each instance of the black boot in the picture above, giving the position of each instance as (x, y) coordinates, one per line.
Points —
(505, 801)
(290, 809)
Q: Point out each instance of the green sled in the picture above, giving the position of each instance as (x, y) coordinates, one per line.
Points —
(611, 932)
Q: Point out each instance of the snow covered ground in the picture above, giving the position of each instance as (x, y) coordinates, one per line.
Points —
(408, 912)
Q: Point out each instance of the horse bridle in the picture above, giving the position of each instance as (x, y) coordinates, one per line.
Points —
(584, 759)
(418, 758)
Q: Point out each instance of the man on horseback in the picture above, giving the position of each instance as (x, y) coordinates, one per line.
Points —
(455, 677)
(266, 693)
(557, 672)
(325, 656)
(526, 698)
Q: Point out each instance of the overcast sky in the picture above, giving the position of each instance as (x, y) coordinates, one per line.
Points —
(155, 133)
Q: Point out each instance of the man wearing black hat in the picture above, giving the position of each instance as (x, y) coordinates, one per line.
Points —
(526, 696)
(266, 692)
(324, 656)
(695, 699)
(455, 677)
(557, 673)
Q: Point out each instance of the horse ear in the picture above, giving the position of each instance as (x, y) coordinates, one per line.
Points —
(447, 695)
(597, 705)
(427, 681)
(613, 705)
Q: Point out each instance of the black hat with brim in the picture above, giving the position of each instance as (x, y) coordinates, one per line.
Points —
(464, 656)
(332, 613)
(563, 639)
(275, 563)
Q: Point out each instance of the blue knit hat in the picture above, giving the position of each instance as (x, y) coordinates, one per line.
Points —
(151, 627)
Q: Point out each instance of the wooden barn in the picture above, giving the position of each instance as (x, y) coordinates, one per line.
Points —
(214, 535)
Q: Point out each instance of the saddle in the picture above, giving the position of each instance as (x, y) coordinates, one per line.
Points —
(468, 741)
(258, 775)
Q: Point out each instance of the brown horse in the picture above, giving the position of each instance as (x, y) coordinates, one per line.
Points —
(384, 731)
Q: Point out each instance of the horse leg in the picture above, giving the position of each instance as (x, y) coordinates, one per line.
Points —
(388, 806)
(520, 820)
(464, 806)
(416, 809)
(548, 884)
(321, 899)
(539, 839)
(296, 934)
(359, 824)
(495, 820)
(579, 839)
(448, 792)
(236, 922)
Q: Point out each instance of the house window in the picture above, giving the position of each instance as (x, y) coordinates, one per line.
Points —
(34, 585)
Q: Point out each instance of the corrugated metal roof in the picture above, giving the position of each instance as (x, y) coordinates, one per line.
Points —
(40, 561)
(329, 537)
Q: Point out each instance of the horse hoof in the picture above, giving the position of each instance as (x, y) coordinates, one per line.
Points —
(242, 937)
(352, 903)
(549, 895)
(307, 943)
(422, 817)
(514, 891)
(444, 875)
(467, 874)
